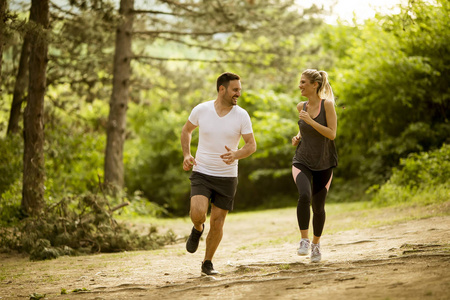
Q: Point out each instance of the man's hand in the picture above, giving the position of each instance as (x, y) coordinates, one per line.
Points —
(188, 162)
(229, 157)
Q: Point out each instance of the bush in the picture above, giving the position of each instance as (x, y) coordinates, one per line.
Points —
(73, 159)
(422, 177)
(153, 158)
(11, 168)
(10, 200)
(11, 161)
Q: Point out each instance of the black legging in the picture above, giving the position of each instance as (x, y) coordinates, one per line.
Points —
(320, 181)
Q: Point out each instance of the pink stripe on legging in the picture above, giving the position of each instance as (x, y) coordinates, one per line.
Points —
(295, 173)
(329, 182)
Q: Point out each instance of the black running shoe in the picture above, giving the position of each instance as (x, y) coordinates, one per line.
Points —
(208, 269)
(194, 239)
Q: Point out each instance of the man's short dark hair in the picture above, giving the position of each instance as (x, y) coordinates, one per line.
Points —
(225, 78)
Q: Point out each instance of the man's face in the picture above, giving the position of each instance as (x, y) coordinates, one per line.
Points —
(233, 92)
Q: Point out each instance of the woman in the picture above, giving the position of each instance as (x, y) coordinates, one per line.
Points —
(315, 156)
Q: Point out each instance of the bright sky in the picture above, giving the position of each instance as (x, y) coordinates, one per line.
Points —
(363, 9)
(343, 9)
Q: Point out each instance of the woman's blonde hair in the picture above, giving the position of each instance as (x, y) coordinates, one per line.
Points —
(324, 90)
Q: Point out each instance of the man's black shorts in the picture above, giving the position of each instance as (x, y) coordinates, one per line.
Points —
(221, 190)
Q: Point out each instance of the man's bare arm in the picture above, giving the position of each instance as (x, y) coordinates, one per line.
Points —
(186, 136)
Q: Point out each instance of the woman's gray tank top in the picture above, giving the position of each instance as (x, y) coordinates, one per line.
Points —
(315, 151)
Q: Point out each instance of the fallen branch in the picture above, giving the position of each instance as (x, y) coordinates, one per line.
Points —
(120, 206)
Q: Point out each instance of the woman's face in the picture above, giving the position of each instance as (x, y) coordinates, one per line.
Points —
(306, 87)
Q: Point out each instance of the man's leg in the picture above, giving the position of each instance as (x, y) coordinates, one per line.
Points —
(198, 211)
(199, 208)
(217, 220)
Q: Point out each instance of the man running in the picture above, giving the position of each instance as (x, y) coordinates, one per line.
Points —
(221, 124)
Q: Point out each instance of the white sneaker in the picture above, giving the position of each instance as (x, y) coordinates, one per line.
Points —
(316, 256)
(304, 247)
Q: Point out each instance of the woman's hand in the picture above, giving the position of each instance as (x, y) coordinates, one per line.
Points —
(296, 140)
(304, 115)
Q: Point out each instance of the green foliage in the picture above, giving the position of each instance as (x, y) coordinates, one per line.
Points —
(81, 52)
(274, 117)
(10, 211)
(391, 79)
(73, 158)
(421, 178)
(11, 164)
(390, 75)
(154, 158)
(275, 51)
(11, 168)
(36, 296)
(162, 94)
(139, 205)
(348, 190)
(426, 168)
(77, 225)
(266, 177)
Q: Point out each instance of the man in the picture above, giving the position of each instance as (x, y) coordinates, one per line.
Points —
(221, 124)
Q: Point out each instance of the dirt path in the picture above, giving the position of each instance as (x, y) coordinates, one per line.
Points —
(257, 260)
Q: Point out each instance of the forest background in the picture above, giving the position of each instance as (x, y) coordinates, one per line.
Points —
(121, 79)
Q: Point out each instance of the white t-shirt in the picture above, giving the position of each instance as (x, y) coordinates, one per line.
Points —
(214, 134)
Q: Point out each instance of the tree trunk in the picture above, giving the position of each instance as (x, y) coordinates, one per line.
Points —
(33, 158)
(2, 34)
(114, 171)
(19, 88)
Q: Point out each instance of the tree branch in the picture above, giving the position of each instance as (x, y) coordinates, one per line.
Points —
(213, 61)
(119, 206)
(63, 10)
(157, 12)
(157, 32)
(179, 5)
(214, 48)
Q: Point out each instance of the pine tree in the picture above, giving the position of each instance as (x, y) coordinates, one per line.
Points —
(33, 174)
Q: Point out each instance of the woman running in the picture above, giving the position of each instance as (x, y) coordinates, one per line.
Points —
(315, 156)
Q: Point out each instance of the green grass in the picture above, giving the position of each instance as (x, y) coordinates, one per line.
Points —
(284, 267)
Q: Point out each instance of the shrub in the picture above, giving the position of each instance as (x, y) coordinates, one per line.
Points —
(11, 161)
(421, 177)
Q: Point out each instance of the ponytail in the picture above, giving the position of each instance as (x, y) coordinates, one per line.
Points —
(324, 90)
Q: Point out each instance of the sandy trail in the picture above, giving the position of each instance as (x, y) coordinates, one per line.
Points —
(257, 260)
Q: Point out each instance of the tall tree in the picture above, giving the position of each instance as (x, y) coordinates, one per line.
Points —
(3, 5)
(114, 174)
(33, 174)
(78, 52)
(19, 87)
